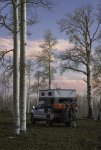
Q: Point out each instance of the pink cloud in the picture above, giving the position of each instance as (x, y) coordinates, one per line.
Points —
(6, 43)
(67, 80)
(71, 83)
(33, 45)
(63, 44)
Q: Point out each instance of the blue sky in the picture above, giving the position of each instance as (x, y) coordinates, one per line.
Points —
(48, 19)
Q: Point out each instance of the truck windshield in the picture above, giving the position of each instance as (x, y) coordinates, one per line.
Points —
(49, 102)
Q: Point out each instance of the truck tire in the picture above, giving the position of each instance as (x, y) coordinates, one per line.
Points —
(32, 119)
(67, 118)
(68, 124)
(49, 121)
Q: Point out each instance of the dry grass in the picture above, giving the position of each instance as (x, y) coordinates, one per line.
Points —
(87, 136)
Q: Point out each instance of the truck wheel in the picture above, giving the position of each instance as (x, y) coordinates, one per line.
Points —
(32, 119)
(49, 121)
(68, 124)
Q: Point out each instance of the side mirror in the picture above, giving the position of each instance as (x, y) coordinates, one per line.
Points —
(36, 108)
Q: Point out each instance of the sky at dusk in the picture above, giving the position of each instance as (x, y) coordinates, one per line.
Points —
(48, 20)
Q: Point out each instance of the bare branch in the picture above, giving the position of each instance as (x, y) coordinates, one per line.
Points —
(66, 67)
(3, 53)
(5, 6)
(93, 37)
(3, 23)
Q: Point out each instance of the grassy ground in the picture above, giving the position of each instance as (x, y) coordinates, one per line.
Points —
(87, 136)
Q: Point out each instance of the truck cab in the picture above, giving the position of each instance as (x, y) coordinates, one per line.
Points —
(38, 113)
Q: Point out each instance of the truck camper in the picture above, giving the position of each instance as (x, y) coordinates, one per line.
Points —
(56, 106)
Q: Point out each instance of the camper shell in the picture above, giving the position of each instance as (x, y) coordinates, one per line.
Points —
(57, 95)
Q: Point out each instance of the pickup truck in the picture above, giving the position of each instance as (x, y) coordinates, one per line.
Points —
(38, 113)
(58, 113)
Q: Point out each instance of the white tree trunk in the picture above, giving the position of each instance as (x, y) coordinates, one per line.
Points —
(49, 70)
(89, 97)
(28, 94)
(99, 111)
(89, 90)
(22, 66)
(16, 71)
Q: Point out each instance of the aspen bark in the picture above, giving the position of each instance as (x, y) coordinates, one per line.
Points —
(22, 66)
(49, 70)
(99, 111)
(16, 71)
(90, 107)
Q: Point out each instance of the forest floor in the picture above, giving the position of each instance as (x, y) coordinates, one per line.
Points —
(86, 136)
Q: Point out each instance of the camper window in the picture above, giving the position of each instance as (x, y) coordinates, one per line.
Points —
(49, 93)
(42, 94)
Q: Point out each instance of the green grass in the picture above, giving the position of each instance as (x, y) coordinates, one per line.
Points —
(87, 136)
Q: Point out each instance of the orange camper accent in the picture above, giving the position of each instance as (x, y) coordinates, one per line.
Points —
(59, 106)
(63, 106)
